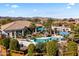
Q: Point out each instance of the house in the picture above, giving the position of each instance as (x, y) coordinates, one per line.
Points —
(19, 29)
(16, 28)
(62, 30)
(3, 34)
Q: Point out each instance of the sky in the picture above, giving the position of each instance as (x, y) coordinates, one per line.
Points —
(55, 10)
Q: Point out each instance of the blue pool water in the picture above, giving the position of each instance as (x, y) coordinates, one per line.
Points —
(46, 39)
(40, 28)
(64, 33)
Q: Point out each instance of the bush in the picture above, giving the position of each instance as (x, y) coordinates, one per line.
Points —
(0, 41)
(41, 47)
(52, 48)
(76, 36)
(6, 42)
(72, 47)
(31, 49)
(14, 45)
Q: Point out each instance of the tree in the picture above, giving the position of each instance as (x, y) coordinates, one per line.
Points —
(5, 20)
(31, 49)
(48, 25)
(52, 48)
(41, 47)
(76, 28)
(14, 45)
(32, 26)
(5, 42)
(72, 48)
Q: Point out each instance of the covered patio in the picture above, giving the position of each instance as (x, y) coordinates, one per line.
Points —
(17, 29)
(39, 28)
(20, 33)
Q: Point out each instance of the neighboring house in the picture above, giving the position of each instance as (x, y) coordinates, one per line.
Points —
(62, 30)
(16, 28)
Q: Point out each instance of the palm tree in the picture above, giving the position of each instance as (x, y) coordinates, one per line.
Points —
(48, 25)
(33, 26)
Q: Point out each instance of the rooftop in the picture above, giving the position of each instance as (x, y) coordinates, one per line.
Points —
(16, 25)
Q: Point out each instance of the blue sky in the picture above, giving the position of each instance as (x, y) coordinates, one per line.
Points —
(57, 10)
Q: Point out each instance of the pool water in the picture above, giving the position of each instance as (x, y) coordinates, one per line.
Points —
(64, 33)
(46, 39)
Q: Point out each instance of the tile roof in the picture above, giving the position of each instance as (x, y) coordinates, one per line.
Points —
(16, 25)
(39, 25)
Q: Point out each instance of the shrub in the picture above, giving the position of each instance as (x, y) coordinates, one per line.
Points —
(41, 47)
(14, 45)
(5, 42)
(52, 48)
(76, 36)
(31, 49)
(0, 41)
(72, 47)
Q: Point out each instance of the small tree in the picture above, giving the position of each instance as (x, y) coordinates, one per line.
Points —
(72, 48)
(14, 45)
(41, 47)
(52, 48)
(31, 49)
(5, 42)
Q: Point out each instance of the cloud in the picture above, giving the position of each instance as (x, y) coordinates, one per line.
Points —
(34, 10)
(11, 11)
(68, 7)
(14, 6)
(71, 4)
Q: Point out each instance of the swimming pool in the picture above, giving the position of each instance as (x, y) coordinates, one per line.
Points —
(64, 33)
(46, 39)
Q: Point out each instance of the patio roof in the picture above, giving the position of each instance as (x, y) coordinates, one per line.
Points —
(38, 25)
(16, 25)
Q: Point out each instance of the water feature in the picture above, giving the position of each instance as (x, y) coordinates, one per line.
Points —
(46, 39)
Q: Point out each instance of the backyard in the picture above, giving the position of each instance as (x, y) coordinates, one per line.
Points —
(50, 38)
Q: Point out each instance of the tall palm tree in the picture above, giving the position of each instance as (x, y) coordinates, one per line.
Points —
(48, 25)
(33, 26)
